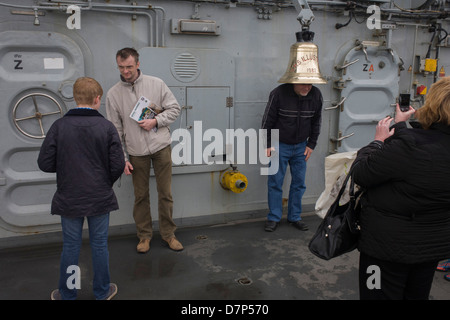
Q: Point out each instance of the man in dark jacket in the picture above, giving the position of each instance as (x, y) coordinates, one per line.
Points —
(295, 110)
(85, 151)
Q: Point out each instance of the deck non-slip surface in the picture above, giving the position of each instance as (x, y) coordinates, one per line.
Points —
(236, 261)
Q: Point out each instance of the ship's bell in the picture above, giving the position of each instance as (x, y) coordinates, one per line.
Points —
(303, 66)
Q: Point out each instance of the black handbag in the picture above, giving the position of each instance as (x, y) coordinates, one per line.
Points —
(338, 233)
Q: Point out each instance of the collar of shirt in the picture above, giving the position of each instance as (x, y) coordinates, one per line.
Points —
(131, 83)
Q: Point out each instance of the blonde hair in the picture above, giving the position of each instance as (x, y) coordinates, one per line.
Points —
(85, 90)
(437, 105)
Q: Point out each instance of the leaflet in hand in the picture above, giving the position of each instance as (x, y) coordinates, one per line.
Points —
(143, 110)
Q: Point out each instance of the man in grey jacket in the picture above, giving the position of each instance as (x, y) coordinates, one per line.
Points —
(144, 142)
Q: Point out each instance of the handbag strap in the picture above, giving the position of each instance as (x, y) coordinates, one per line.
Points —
(344, 185)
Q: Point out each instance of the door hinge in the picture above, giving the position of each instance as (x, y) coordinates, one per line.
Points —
(229, 102)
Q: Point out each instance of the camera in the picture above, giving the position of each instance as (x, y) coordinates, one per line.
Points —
(404, 101)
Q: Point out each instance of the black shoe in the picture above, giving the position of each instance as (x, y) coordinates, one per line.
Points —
(299, 225)
(270, 226)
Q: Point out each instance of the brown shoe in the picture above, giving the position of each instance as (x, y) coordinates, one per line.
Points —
(174, 244)
(143, 246)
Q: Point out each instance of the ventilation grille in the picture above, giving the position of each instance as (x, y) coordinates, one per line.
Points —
(185, 67)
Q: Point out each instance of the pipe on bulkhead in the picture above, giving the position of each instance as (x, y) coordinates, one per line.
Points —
(92, 6)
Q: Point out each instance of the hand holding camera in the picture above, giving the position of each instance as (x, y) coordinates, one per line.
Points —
(403, 109)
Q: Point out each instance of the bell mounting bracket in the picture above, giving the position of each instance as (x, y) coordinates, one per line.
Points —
(305, 16)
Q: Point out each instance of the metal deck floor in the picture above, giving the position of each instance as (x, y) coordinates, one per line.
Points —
(236, 261)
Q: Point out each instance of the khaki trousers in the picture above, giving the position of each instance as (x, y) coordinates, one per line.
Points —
(162, 165)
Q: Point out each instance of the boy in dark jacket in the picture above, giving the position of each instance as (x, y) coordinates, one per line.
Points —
(85, 151)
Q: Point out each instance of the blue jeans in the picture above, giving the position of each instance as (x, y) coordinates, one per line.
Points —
(292, 155)
(98, 237)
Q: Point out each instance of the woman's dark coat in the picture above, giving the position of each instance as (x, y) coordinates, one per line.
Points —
(406, 208)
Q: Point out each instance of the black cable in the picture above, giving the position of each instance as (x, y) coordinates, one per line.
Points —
(340, 25)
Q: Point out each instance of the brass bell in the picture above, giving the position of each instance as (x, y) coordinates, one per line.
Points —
(303, 66)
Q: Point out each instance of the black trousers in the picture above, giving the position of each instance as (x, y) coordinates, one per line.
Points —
(384, 280)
